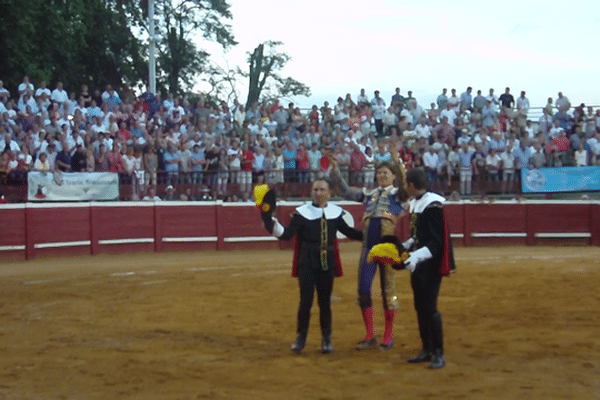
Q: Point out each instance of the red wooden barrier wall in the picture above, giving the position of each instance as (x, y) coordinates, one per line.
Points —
(41, 230)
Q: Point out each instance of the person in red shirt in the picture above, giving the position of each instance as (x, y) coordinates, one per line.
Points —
(561, 142)
(247, 160)
(302, 164)
(123, 133)
(557, 149)
(313, 117)
(358, 161)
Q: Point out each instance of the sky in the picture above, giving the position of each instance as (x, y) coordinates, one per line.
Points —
(339, 47)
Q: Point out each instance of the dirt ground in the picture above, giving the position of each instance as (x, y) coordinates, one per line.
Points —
(520, 323)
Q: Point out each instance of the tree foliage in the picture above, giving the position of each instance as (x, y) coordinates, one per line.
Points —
(178, 22)
(265, 65)
(74, 41)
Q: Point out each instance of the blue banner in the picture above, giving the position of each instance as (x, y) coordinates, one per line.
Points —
(556, 180)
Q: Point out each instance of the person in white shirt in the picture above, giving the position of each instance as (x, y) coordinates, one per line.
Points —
(59, 94)
(454, 101)
(43, 89)
(449, 113)
(492, 165)
(523, 103)
(107, 93)
(235, 162)
(422, 129)
(25, 85)
(262, 130)
(9, 143)
(4, 94)
(42, 164)
(362, 97)
(151, 196)
(555, 130)
(430, 162)
(581, 155)
(508, 168)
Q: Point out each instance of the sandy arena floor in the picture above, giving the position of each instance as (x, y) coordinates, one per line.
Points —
(520, 323)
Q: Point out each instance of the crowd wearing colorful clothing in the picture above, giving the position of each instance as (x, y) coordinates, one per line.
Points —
(210, 149)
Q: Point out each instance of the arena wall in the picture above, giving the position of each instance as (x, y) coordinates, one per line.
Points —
(35, 230)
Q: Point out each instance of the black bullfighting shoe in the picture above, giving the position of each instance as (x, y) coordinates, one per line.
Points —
(367, 344)
(437, 360)
(423, 356)
(326, 346)
(299, 343)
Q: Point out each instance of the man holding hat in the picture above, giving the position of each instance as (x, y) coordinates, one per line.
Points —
(316, 255)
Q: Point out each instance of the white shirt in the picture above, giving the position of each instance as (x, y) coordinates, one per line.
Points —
(508, 160)
(493, 160)
(423, 131)
(581, 158)
(24, 86)
(44, 90)
(430, 160)
(450, 114)
(60, 95)
(235, 163)
(523, 104)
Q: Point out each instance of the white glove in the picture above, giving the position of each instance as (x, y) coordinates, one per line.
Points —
(277, 228)
(411, 263)
(417, 257)
(408, 244)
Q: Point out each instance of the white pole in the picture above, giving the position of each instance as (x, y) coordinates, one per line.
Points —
(151, 59)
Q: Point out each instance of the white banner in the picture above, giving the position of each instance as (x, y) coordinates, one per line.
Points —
(72, 186)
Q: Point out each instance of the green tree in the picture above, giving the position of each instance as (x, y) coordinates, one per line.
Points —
(75, 41)
(178, 23)
(265, 65)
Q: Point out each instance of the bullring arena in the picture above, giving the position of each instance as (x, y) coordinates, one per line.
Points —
(196, 302)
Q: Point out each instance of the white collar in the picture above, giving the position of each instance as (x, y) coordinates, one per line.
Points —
(417, 206)
(310, 212)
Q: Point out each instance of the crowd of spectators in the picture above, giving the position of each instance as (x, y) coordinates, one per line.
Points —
(467, 142)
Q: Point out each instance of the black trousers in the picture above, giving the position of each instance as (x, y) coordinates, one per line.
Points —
(425, 282)
(310, 278)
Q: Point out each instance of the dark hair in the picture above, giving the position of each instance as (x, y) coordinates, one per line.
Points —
(417, 177)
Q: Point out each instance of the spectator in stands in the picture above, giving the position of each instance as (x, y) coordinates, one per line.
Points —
(489, 114)
(430, 162)
(506, 99)
(449, 113)
(479, 170)
(538, 157)
(369, 169)
(25, 86)
(562, 103)
(378, 107)
(63, 158)
(357, 165)
(247, 159)
(59, 95)
(78, 160)
(581, 155)
(151, 194)
(41, 164)
(172, 160)
(493, 163)
(454, 100)
(442, 100)
(508, 163)
(4, 94)
(466, 100)
(9, 144)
